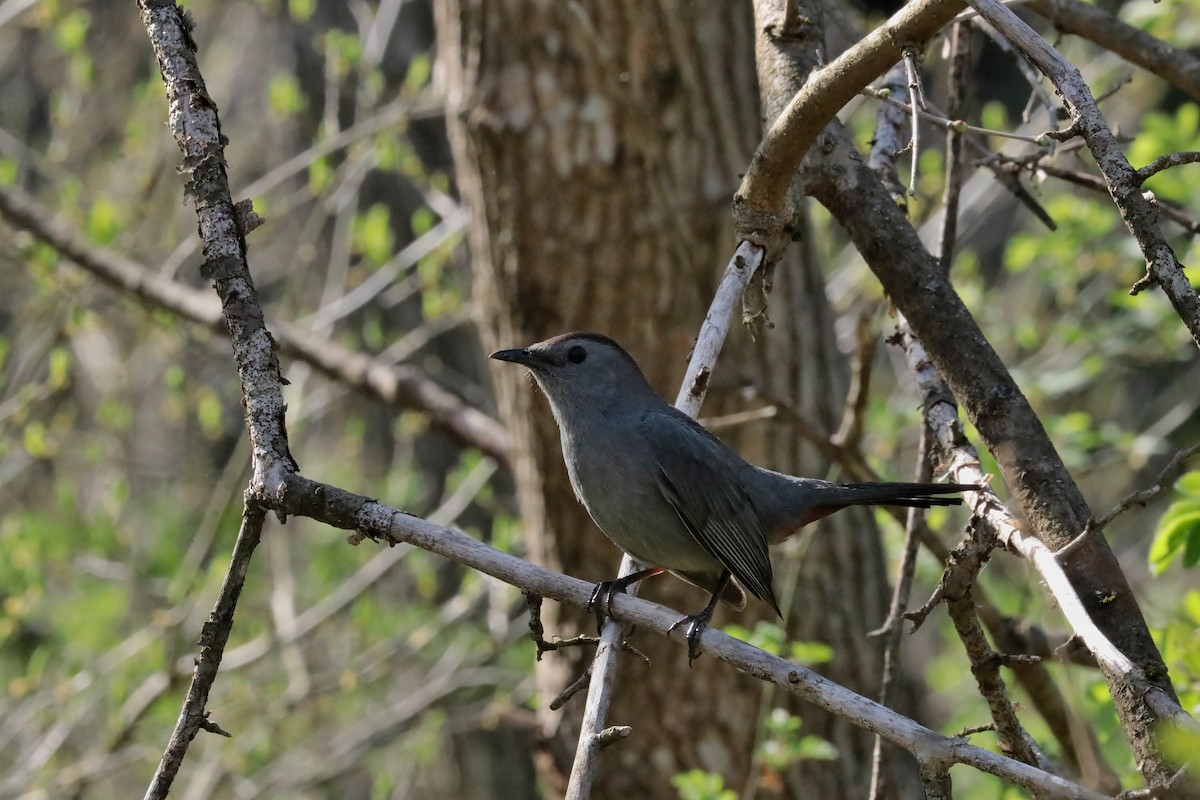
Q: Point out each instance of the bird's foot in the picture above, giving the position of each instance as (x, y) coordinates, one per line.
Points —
(696, 623)
(600, 603)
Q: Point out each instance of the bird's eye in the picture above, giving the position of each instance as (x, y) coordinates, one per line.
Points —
(576, 354)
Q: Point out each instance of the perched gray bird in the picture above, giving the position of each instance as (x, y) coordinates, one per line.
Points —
(671, 494)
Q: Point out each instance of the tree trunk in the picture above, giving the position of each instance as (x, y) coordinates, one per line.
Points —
(598, 147)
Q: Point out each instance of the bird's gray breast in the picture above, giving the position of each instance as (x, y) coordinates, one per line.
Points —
(613, 468)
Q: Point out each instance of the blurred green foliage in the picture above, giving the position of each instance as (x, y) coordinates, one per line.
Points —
(700, 785)
(1178, 533)
(123, 460)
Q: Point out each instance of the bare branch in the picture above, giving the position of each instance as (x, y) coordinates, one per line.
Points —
(935, 780)
(960, 67)
(759, 202)
(1140, 498)
(942, 417)
(213, 638)
(916, 102)
(889, 137)
(396, 384)
(1139, 212)
(1166, 162)
(1174, 64)
(574, 688)
(537, 632)
(370, 519)
(1096, 184)
(961, 572)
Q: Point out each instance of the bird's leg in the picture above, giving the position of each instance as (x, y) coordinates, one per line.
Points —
(698, 622)
(600, 603)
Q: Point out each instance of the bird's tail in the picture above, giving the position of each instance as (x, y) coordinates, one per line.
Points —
(817, 499)
(908, 495)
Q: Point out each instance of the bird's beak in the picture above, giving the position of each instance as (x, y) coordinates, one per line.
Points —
(518, 355)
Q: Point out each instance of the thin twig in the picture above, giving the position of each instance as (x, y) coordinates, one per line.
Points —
(1138, 212)
(574, 688)
(960, 62)
(612, 735)
(1144, 496)
(1117, 85)
(943, 122)
(213, 638)
(916, 102)
(971, 730)
(537, 633)
(1166, 162)
(961, 572)
(1097, 184)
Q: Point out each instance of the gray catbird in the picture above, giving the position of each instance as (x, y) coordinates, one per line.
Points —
(671, 494)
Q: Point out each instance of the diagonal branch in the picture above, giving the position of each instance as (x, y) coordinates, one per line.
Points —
(396, 384)
(759, 202)
(1174, 64)
(300, 496)
(836, 176)
(942, 417)
(1139, 211)
(213, 638)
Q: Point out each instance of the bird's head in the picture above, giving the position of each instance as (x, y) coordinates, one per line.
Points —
(581, 372)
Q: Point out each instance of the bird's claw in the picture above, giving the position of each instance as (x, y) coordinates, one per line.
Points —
(600, 603)
(696, 623)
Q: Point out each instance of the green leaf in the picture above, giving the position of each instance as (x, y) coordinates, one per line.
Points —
(104, 221)
(301, 10)
(1191, 547)
(208, 413)
(1178, 533)
(816, 749)
(700, 785)
(768, 636)
(60, 367)
(284, 96)
(320, 175)
(419, 70)
(1191, 604)
(422, 220)
(810, 653)
(36, 443)
(373, 234)
(71, 31)
(1189, 484)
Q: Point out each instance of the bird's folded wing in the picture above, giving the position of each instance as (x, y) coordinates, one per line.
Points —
(699, 477)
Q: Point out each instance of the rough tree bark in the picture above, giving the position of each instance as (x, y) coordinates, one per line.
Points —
(598, 148)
